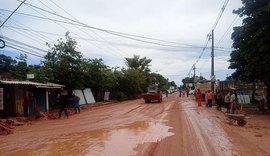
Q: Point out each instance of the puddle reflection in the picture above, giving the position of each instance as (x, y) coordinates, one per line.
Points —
(121, 140)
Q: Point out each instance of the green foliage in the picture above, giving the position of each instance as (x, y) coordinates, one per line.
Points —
(42, 74)
(121, 96)
(97, 75)
(187, 80)
(20, 69)
(65, 63)
(157, 78)
(252, 43)
(132, 83)
(138, 63)
(6, 63)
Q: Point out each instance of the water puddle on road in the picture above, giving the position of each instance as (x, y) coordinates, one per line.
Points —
(123, 139)
(120, 140)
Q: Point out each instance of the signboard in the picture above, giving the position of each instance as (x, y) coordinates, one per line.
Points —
(213, 78)
(107, 96)
(1, 99)
(30, 76)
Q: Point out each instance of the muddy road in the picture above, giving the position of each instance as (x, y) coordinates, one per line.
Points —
(174, 127)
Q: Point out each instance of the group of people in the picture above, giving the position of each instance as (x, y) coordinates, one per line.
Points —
(229, 99)
(65, 102)
(183, 92)
(230, 102)
(208, 98)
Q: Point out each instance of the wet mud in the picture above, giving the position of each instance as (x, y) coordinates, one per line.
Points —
(174, 127)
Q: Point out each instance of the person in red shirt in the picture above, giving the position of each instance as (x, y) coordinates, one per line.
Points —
(26, 102)
(199, 97)
(209, 98)
(205, 97)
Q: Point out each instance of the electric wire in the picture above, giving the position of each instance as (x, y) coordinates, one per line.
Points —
(24, 44)
(115, 33)
(29, 36)
(88, 39)
(31, 53)
(107, 31)
(99, 36)
(12, 13)
(36, 36)
(226, 32)
(209, 34)
(33, 7)
(24, 48)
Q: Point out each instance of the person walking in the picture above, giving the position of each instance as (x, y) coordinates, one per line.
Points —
(184, 93)
(64, 106)
(227, 102)
(219, 100)
(205, 98)
(26, 102)
(233, 102)
(187, 92)
(199, 97)
(180, 91)
(209, 98)
(76, 101)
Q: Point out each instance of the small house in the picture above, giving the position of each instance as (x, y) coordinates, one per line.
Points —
(12, 94)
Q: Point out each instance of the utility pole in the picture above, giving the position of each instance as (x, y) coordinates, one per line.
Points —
(212, 64)
(194, 75)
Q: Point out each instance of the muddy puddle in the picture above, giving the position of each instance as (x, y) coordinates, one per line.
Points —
(120, 140)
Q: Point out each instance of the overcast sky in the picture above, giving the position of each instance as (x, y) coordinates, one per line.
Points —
(185, 22)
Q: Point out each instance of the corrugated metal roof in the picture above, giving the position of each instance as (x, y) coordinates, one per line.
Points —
(21, 82)
(39, 85)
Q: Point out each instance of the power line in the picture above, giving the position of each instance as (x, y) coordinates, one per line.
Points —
(115, 33)
(21, 47)
(110, 31)
(24, 51)
(116, 49)
(111, 47)
(224, 49)
(24, 44)
(33, 34)
(123, 36)
(12, 14)
(226, 32)
(34, 8)
(220, 14)
(211, 34)
(29, 36)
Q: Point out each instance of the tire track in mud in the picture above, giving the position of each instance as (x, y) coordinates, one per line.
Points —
(209, 136)
(194, 138)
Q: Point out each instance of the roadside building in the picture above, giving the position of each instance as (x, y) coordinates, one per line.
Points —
(12, 93)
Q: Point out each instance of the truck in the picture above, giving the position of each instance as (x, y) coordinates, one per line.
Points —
(154, 94)
(204, 87)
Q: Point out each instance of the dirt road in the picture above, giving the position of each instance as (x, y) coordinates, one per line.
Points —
(174, 127)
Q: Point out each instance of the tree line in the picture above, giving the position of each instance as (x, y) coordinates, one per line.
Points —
(63, 64)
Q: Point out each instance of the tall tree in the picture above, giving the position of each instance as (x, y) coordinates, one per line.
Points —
(133, 82)
(98, 76)
(162, 81)
(65, 63)
(6, 63)
(21, 68)
(138, 63)
(251, 56)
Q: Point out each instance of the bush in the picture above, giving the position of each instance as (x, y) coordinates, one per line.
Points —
(121, 96)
